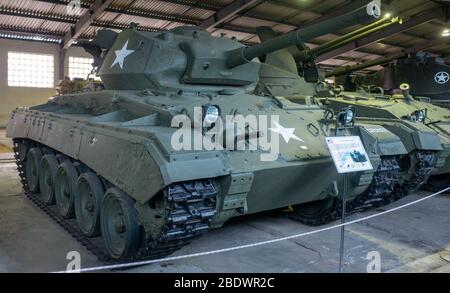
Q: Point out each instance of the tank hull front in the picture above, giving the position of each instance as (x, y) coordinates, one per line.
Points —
(295, 184)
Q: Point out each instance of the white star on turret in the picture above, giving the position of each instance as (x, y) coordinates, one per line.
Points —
(286, 133)
(121, 55)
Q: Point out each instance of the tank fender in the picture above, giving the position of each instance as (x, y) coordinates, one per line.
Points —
(131, 162)
(426, 140)
(124, 162)
(416, 139)
(184, 165)
(18, 124)
(119, 158)
(380, 140)
(178, 167)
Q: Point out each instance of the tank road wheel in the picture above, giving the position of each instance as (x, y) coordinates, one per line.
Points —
(66, 179)
(47, 175)
(34, 158)
(316, 213)
(119, 223)
(89, 194)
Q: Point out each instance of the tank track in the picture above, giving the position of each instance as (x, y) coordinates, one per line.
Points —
(381, 189)
(423, 169)
(384, 188)
(378, 193)
(191, 206)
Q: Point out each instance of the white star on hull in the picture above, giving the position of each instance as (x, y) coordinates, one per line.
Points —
(286, 133)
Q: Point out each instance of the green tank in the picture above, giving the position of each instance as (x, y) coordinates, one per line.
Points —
(428, 76)
(409, 151)
(406, 104)
(423, 127)
(169, 149)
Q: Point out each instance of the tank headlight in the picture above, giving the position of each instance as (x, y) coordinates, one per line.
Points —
(210, 114)
(420, 116)
(346, 117)
(349, 116)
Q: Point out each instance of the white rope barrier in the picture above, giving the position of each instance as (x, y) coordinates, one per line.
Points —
(146, 262)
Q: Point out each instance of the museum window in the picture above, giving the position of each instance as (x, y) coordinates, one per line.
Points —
(80, 67)
(30, 70)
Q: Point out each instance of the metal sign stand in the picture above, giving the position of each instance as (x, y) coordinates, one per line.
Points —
(344, 193)
(349, 156)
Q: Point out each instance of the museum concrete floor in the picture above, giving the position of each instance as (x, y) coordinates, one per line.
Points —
(413, 239)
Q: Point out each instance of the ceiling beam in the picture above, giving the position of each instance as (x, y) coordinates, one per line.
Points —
(39, 32)
(227, 12)
(135, 12)
(427, 16)
(214, 7)
(67, 19)
(339, 11)
(38, 15)
(165, 16)
(183, 19)
(209, 5)
(376, 63)
(73, 20)
(195, 21)
(94, 11)
(127, 11)
(424, 45)
(410, 50)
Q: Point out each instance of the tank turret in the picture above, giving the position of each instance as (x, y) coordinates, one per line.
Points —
(190, 59)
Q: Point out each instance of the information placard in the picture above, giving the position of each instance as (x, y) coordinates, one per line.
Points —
(348, 154)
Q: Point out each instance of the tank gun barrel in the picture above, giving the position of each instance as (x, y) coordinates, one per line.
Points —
(363, 15)
(345, 39)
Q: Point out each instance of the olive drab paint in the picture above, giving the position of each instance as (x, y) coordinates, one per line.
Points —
(123, 133)
(409, 136)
